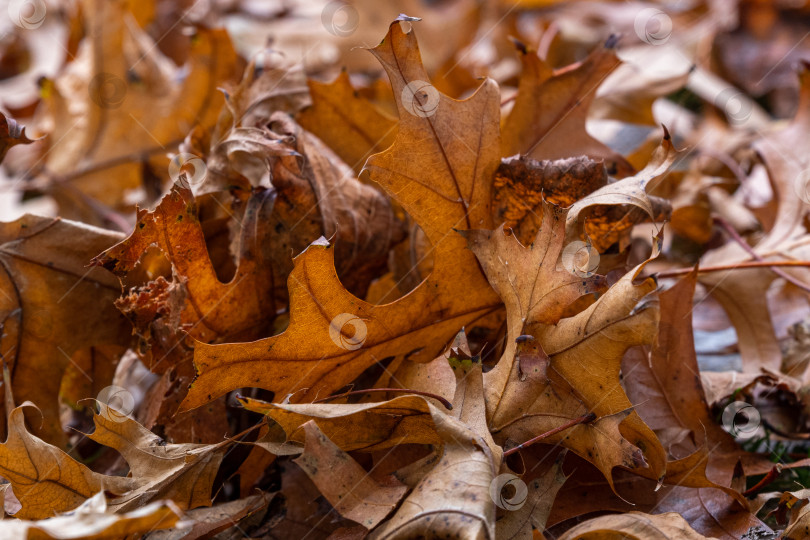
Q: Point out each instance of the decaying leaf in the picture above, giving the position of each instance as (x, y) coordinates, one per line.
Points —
(453, 498)
(334, 336)
(197, 300)
(431, 298)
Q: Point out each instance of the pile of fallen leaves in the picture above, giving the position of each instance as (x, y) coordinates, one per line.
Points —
(257, 282)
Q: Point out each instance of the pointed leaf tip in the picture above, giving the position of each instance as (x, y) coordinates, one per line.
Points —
(407, 18)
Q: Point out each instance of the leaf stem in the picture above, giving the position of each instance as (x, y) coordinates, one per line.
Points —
(769, 478)
(584, 419)
(738, 266)
(440, 399)
(726, 226)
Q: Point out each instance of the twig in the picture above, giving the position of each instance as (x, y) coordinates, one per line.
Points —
(739, 266)
(748, 249)
(584, 419)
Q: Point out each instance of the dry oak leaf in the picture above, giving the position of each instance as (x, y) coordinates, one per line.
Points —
(349, 124)
(462, 435)
(44, 478)
(357, 426)
(356, 217)
(743, 295)
(792, 503)
(799, 526)
(440, 170)
(11, 134)
(264, 89)
(523, 184)
(121, 101)
(541, 492)
(703, 456)
(314, 194)
(206, 309)
(204, 522)
(372, 426)
(608, 214)
(733, 385)
(183, 473)
(634, 526)
(453, 499)
(344, 483)
(564, 368)
(548, 118)
(712, 513)
(434, 377)
(92, 521)
(668, 382)
(44, 285)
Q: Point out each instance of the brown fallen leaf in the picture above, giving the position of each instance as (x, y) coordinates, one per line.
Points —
(722, 385)
(743, 297)
(799, 526)
(121, 103)
(11, 134)
(197, 301)
(702, 454)
(44, 478)
(523, 184)
(336, 335)
(92, 521)
(313, 193)
(635, 526)
(547, 377)
(344, 483)
(183, 473)
(215, 519)
(349, 124)
(627, 202)
(44, 284)
(547, 120)
(533, 514)
(453, 499)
